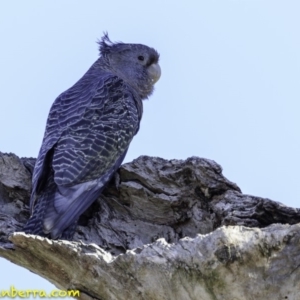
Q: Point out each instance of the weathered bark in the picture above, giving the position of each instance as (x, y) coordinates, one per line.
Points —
(160, 235)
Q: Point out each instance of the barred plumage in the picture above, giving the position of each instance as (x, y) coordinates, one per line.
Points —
(88, 132)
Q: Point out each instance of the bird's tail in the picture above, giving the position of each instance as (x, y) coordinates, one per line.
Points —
(35, 224)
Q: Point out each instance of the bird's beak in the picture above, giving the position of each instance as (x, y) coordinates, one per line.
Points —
(154, 72)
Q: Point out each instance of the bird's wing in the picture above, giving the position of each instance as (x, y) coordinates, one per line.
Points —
(66, 109)
(86, 139)
(97, 137)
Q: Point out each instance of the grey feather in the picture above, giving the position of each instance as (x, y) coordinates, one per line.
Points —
(88, 132)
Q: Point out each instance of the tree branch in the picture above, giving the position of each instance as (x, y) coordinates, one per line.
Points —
(160, 235)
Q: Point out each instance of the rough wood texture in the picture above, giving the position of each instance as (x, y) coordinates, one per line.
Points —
(160, 235)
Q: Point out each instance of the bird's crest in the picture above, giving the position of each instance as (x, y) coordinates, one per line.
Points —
(106, 46)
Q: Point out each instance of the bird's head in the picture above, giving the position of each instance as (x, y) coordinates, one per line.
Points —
(136, 64)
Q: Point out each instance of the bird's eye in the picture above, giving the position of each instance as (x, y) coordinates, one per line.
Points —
(141, 57)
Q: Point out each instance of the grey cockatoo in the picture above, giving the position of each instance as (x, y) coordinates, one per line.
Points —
(88, 132)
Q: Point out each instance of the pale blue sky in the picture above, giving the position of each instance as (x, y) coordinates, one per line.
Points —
(229, 89)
